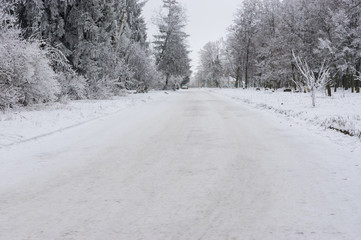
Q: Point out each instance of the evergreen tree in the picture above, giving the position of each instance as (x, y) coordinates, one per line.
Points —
(100, 40)
(170, 44)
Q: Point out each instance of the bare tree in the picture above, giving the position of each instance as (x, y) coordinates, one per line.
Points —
(312, 81)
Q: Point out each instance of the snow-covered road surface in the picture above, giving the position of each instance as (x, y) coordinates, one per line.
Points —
(197, 166)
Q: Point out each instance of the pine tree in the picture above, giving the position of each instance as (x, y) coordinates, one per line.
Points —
(170, 44)
(100, 40)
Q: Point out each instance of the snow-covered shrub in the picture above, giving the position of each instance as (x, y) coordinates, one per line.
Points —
(100, 89)
(125, 77)
(25, 73)
(73, 86)
(176, 81)
(345, 124)
(143, 66)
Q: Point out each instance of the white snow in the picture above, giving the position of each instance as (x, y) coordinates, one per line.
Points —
(194, 164)
(25, 124)
(342, 111)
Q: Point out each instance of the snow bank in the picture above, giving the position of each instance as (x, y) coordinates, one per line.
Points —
(340, 113)
(29, 123)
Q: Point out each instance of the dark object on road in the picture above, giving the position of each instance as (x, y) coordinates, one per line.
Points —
(258, 89)
(287, 90)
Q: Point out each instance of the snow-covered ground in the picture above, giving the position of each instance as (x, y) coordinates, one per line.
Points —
(335, 117)
(188, 165)
(341, 112)
(25, 124)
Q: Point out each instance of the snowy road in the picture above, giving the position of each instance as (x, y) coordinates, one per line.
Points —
(197, 166)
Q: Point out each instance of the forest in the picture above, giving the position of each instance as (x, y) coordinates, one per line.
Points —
(53, 50)
(270, 40)
(58, 50)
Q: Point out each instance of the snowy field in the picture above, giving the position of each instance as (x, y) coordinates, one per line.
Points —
(24, 124)
(337, 117)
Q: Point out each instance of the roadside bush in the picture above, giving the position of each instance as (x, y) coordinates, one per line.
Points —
(26, 76)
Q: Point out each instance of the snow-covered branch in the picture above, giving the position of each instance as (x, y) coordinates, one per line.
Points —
(312, 81)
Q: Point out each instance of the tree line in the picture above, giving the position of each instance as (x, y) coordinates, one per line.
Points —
(259, 48)
(73, 49)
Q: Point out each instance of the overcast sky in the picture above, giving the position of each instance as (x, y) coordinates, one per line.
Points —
(208, 20)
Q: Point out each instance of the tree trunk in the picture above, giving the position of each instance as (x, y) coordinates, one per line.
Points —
(336, 81)
(246, 66)
(357, 83)
(123, 23)
(313, 95)
(329, 90)
(163, 49)
(237, 77)
(345, 80)
(294, 76)
(166, 81)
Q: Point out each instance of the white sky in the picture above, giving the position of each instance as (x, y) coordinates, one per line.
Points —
(208, 20)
